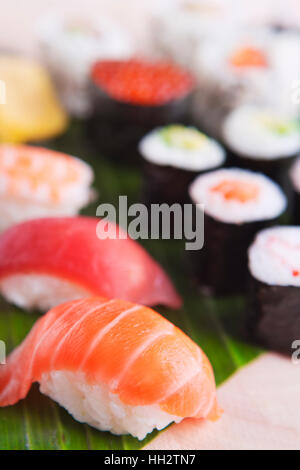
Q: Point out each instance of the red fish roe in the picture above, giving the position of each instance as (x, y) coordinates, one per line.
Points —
(142, 83)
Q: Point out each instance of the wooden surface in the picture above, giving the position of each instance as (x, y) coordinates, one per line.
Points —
(261, 411)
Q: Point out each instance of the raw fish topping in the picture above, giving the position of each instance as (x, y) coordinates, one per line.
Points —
(247, 57)
(237, 190)
(142, 83)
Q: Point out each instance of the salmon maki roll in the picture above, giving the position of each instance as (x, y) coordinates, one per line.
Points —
(37, 182)
(115, 365)
(236, 204)
(45, 262)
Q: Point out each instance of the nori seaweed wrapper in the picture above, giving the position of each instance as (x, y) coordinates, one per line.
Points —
(220, 267)
(273, 315)
(165, 183)
(116, 127)
(277, 169)
(296, 208)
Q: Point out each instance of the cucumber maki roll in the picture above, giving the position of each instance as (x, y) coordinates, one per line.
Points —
(274, 296)
(262, 139)
(237, 204)
(173, 156)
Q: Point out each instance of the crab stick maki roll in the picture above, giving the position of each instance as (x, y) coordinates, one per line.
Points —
(274, 297)
(236, 204)
(295, 182)
(37, 182)
(262, 139)
(44, 262)
(115, 365)
(173, 155)
(133, 97)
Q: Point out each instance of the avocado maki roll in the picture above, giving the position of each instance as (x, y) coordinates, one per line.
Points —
(131, 98)
(236, 204)
(274, 296)
(172, 157)
(262, 139)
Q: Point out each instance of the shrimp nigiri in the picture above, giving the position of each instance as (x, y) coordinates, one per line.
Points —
(37, 182)
(45, 262)
(115, 365)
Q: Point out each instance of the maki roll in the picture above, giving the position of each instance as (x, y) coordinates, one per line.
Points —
(274, 300)
(262, 139)
(37, 182)
(237, 204)
(173, 156)
(295, 181)
(179, 27)
(133, 97)
(69, 47)
(252, 66)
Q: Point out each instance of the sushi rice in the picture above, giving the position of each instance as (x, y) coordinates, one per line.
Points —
(101, 409)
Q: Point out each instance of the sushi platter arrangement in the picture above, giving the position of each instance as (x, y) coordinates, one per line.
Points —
(112, 339)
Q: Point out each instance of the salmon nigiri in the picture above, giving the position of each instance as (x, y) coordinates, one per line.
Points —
(45, 262)
(115, 365)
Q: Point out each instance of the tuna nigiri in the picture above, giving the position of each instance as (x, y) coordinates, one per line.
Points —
(115, 365)
(37, 182)
(45, 262)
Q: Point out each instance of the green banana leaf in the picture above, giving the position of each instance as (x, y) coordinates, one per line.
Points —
(38, 423)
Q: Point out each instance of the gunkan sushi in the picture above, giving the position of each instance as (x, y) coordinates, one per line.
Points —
(133, 97)
(44, 262)
(117, 366)
(237, 204)
(69, 47)
(295, 181)
(274, 296)
(262, 139)
(37, 182)
(173, 156)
